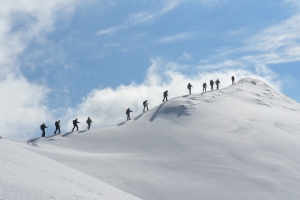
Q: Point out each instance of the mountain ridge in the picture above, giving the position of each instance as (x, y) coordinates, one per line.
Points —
(233, 143)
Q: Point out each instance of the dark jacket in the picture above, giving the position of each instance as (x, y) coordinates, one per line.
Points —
(75, 122)
(43, 126)
(89, 121)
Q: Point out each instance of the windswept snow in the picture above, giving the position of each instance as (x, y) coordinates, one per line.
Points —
(26, 175)
(240, 142)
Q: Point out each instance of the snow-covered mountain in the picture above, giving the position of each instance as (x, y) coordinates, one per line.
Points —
(240, 142)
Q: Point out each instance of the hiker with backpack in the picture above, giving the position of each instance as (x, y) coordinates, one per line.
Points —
(232, 79)
(57, 126)
(75, 124)
(217, 83)
(128, 111)
(204, 87)
(212, 84)
(89, 121)
(189, 86)
(145, 104)
(165, 96)
(43, 126)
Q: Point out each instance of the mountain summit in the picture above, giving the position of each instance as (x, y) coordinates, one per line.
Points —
(240, 142)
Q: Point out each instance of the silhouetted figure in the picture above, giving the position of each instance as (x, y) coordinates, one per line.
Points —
(128, 111)
(75, 124)
(217, 83)
(145, 104)
(211, 84)
(57, 126)
(165, 96)
(89, 121)
(204, 87)
(232, 78)
(189, 86)
(43, 126)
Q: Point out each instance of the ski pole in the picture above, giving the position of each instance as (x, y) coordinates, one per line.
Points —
(82, 125)
(47, 133)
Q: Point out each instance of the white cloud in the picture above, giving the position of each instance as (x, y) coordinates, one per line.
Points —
(185, 56)
(109, 30)
(23, 107)
(107, 106)
(143, 17)
(276, 37)
(23, 103)
(22, 22)
(177, 37)
(273, 45)
(148, 16)
(293, 3)
(224, 64)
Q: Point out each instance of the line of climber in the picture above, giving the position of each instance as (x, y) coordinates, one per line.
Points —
(128, 111)
(189, 87)
(57, 126)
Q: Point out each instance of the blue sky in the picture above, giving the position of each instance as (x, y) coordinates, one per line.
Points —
(68, 59)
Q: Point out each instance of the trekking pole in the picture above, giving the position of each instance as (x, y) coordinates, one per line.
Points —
(82, 126)
(47, 133)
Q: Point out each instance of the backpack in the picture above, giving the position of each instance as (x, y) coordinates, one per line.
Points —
(56, 123)
(127, 111)
(144, 103)
(42, 127)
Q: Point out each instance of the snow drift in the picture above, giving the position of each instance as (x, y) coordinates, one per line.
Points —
(26, 175)
(240, 142)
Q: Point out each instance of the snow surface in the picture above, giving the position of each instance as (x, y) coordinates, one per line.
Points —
(241, 142)
(27, 175)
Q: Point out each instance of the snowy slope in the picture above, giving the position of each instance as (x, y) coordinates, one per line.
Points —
(241, 142)
(26, 175)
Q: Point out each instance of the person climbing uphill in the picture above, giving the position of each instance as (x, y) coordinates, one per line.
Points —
(57, 126)
(165, 96)
(189, 86)
(128, 111)
(212, 84)
(75, 124)
(89, 121)
(217, 83)
(145, 104)
(43, 127)
(232, 79)
(204, 87)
